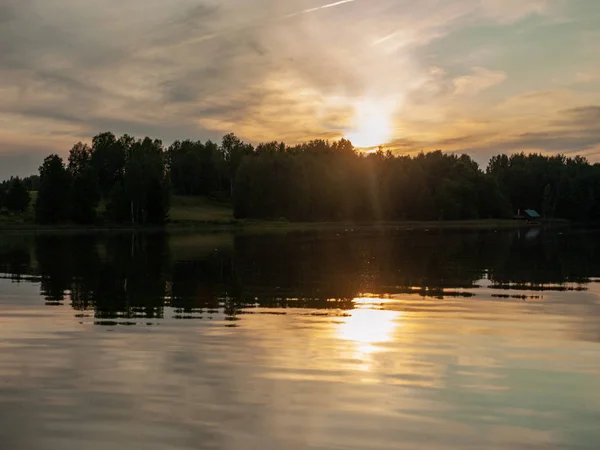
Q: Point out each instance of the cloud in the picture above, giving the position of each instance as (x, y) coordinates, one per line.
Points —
(588, 116)
(264, 69)
(480, 80)
(576, 130)
(506, 11)
(547, 121)
(440, 86)
(587, 77)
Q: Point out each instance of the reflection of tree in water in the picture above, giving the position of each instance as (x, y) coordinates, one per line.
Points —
(57, 271)
(132, 278)
(15, 257)
(550, 260)
(198, 284)
(343, 265)
(128, 276)
(128, 280)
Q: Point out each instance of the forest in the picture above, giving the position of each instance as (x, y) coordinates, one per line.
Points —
(125, 180)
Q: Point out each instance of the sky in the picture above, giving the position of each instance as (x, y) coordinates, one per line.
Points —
(476, 76)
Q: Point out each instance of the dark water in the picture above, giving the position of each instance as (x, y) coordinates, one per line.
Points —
(340, 340)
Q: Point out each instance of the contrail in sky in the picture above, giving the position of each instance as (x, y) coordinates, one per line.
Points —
(210, 36)
(330, 5)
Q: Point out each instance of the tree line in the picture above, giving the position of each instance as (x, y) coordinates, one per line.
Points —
(322, 181)
(128, 175)
(128, 180)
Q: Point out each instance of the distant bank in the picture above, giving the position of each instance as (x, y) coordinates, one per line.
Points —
(202, 214)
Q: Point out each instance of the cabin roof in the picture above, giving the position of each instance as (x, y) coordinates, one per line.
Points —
(532, 213)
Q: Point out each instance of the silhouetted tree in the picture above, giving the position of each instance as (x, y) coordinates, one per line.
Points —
(108, 157)
(85, 197)
(142, 195)
(80, 158)
(157, 202)
(322, 181)
(3, 189)
(53, 201)
(234, 150)
(16, 198)
(32, 182)
(194, 168)
(554, 185)
(117, 205)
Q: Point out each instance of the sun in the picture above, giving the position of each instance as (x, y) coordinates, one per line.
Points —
(372, 125)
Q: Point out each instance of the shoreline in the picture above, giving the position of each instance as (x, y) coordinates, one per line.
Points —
(272, 226)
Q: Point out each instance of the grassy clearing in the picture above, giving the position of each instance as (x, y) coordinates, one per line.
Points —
(20, 219)
(199, 210)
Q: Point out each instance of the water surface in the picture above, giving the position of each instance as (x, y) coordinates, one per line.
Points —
(334, 340)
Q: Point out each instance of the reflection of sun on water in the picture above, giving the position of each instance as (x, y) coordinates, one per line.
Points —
(372, 124)
(366, 329)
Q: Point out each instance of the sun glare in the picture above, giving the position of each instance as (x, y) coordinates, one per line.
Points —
(372, 124)
(367, 330)
(369, 326)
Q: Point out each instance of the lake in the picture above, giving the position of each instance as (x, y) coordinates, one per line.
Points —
(348, 339)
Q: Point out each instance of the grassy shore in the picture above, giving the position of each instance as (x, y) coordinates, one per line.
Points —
(202, 214)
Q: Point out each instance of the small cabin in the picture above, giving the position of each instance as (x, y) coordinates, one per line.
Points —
(529, 215)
